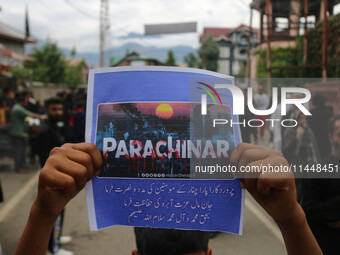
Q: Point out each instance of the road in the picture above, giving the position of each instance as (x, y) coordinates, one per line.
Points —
(260, 236)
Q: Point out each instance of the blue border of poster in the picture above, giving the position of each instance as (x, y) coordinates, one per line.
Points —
(214, 205)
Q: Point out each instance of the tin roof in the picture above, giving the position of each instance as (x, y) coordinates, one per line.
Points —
(14, 34)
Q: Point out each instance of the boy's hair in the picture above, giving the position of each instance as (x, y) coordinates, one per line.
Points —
(51, 101)
(153, 241)
(331, 125)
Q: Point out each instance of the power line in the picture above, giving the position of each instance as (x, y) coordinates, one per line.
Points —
(244, 3)
(80, 10)
(57, 12)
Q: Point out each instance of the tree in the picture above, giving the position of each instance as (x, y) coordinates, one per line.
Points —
(19, 72)
(49, 66)
(279, 57)
(73, 52)
(192, 60)
(74, 75)
(209, 53)
(171, 61)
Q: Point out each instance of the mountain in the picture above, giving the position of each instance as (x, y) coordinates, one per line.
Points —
(92, 58)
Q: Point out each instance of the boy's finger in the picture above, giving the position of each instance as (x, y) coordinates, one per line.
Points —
(273, 166)
(266, 184)
(236, 155)
(251, 175)
(56, 180)
(59, 161)
(92, 150)
(250, 155)
(242, 183)
(77, 171)
(84, 159)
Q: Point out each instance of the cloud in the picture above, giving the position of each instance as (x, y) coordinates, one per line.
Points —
(61, 22)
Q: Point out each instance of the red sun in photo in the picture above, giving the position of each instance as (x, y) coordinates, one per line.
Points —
(164, 111)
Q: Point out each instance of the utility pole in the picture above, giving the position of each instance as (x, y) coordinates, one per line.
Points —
(269, 14)
(324, 39)
(305, 36)
(104, 24)
(250, 44)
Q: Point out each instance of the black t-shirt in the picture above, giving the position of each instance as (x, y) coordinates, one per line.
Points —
(321, 203)
(321, 197)
(50, 136)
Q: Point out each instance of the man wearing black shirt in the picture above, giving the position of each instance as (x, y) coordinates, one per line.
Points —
(321, 199)
(53, 133)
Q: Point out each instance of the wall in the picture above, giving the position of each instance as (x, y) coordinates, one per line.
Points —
(13, 45)
(44, 91)
(224, 66)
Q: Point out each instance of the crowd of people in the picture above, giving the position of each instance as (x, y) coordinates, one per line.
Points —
(22, 118)
(43, 126)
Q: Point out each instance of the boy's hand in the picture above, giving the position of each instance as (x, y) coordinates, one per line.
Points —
(65, 173)
(274, 191)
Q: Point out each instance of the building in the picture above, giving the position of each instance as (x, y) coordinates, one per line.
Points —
(12, 47)
(12, 52)
(136, 59)
(233, 44)
(281, 22)
(283, 18)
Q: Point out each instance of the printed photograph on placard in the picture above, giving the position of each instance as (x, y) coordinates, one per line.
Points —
(162, 139)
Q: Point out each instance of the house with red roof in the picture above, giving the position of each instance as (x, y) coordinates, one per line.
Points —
(136, 59)
(233, 44)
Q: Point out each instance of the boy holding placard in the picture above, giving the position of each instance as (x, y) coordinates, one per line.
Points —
(69, 168)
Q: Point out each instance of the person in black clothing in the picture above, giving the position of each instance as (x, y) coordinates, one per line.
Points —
(320, 116)
(53, 133)
(321, 198)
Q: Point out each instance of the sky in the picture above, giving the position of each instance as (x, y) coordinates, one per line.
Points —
(76, 22)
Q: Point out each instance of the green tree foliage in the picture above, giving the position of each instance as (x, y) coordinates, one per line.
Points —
(49, 66)
(209, 53)
(315, 36)
(74, 75)
(192, 60)
(280, 57)
(18, 72)
(73, 52)
(171, 61)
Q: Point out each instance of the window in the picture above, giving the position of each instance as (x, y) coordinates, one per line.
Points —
(243, 51)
